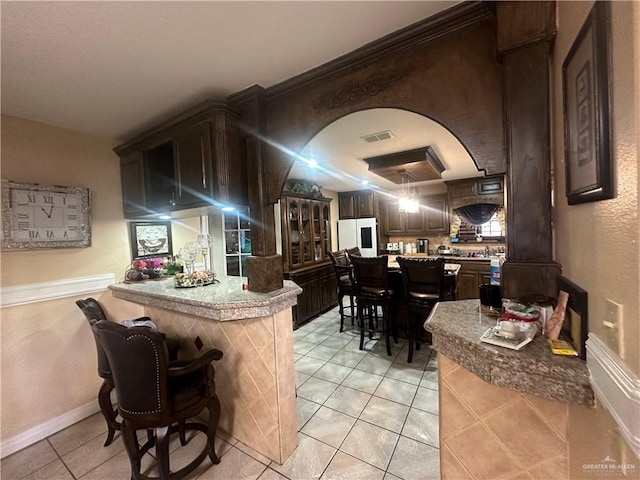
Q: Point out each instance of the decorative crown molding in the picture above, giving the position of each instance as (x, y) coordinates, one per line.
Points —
(455, 18)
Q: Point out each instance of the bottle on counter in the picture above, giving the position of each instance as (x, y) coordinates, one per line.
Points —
(495, 271)
(401, 247)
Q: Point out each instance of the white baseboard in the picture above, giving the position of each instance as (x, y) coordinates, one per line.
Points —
(68, 287)
(42, 431)
(617, 388)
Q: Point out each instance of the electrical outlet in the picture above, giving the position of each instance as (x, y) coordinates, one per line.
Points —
(613, 321)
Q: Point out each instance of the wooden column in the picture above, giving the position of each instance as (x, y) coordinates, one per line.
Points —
(525, 32)
(264, 266)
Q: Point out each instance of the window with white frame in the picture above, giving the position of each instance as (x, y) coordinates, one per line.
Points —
(492, 227)
(237, 241)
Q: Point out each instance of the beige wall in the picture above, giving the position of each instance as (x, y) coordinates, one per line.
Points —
(597, 243)
(48, 354)
(36, 153)
(47, 351)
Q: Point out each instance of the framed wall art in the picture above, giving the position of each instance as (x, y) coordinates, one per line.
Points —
(585, 79)
(150, 239)
(576, 319)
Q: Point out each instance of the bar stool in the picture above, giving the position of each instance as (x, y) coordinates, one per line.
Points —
(424, 286)
(157, 395)
(372, 291)
(94, 312)
(345, 281)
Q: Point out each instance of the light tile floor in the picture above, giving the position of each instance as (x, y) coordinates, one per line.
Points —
(361, 415)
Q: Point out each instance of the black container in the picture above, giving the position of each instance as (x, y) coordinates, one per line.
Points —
(490, 296)
(422, 245)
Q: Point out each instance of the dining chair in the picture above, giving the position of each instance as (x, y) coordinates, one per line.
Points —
(424, 286)
(372, 291)
(94, 312)
(353, 252)
(346, 283)
(159, 396)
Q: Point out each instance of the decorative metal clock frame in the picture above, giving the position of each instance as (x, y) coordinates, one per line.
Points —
(45, 216)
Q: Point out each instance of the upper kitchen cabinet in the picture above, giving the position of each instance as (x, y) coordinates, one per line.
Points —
(133, 192)
(432, 218)
(193, 160)
(435, 211)
(476, 190)
(357, 204)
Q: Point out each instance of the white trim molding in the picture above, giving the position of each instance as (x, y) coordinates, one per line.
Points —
(41, 292)
(42, 431)
(617, 388)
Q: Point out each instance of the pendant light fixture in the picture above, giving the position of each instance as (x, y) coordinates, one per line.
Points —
(408, 201)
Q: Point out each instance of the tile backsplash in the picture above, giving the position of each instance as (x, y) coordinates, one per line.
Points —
(465, 249)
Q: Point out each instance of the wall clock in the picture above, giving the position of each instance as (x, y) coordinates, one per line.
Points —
(40, 216)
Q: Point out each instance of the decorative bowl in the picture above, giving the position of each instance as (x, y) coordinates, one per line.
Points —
(196, 279)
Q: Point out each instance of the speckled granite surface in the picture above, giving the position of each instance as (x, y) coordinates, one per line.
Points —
(456, 328)
(221, 301)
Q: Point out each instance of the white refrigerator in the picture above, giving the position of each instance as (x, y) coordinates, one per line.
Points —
(361, 233)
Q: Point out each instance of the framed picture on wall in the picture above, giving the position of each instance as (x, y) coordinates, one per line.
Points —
(150, 239)
(585, 79)
(576, 320)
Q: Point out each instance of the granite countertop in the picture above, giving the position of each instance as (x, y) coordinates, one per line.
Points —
(448, 258)
(222, 301)
(456, 328)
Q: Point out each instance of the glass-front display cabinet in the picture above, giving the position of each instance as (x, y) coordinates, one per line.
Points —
(306, 233)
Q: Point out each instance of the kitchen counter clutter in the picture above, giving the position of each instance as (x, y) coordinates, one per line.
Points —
(456, 328)
(255, 378)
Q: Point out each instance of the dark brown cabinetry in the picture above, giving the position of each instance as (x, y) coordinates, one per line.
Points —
(193, 160)
(476, 190)
(436, 214)
(306, 231)
(472, 273)
(133, 183)
(357, 204)
(433, 217)
(319, 292)
(306, 239)
(398, 223)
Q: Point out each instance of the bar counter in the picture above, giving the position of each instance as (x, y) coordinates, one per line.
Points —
(502, 413)
(456, 328)
(255, 379)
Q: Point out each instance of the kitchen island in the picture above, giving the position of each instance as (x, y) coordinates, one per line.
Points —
(503, 413)
(255, 379)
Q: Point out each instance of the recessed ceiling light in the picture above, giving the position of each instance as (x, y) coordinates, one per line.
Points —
(365, 182)
(313, 164)
(165, 217)
(228, 209)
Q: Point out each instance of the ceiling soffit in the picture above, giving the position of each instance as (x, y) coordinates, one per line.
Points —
(420, 165)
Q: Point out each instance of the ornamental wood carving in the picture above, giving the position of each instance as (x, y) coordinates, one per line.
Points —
(355, 91)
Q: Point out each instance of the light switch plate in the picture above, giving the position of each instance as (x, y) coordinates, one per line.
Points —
(613, 321)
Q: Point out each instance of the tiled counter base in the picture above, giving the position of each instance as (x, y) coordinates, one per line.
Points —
(493, 432)
(503, 413)
(255, 379)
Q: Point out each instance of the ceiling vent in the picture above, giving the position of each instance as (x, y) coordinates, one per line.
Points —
(377, 137)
